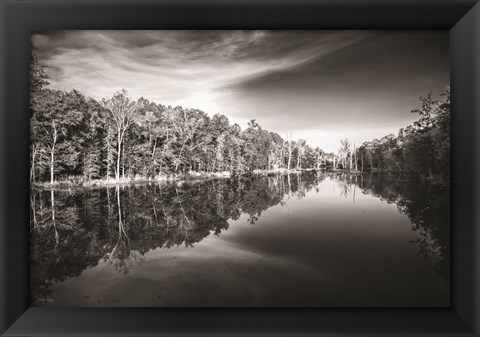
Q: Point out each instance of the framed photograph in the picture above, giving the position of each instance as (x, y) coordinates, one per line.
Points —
(240, 168)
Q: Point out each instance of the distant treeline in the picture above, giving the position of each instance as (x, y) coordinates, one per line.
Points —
(77, 138)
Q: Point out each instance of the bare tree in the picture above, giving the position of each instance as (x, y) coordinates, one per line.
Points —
(52, 150)
(344, 152)
(289, 148)
(300, 148)
(122, 110)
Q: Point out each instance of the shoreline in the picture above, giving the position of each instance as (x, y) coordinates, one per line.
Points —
(179, 179)
(189, 177)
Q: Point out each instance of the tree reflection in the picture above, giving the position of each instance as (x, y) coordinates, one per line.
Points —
(121, 256)
(72, 230)
(427, 207)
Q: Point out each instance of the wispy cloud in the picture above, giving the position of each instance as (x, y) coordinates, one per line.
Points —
(173, 65)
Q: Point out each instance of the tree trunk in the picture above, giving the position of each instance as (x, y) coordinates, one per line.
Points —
(34, 212)
(119, 151)
(289, 158)
(153, 156)
(109, 153)
(32, 170)
(289, 150)
(52, 155)
(298, 158)
(52, 163)
(355, 157)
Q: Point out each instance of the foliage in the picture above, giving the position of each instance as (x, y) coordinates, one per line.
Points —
(38, 76)
(421, 150)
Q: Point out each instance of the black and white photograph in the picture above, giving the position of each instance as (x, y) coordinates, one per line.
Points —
(178, 168)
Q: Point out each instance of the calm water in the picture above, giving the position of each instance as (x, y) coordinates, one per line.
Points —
(313, 239)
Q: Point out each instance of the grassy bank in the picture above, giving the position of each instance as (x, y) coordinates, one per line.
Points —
(178, 178)
(77, 182)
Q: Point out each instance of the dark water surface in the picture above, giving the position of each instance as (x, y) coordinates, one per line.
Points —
(313, 239)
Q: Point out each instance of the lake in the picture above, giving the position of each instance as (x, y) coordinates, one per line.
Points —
(313, 239)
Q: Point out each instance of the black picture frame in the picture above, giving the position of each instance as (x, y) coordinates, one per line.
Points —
(18, 17)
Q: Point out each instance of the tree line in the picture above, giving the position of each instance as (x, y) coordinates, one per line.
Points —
(421, 149)
(80, 139)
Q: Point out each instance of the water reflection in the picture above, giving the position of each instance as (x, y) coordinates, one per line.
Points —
(427, 207)
(73, 230)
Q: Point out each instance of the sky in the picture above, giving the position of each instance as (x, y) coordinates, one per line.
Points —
(321, 86)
